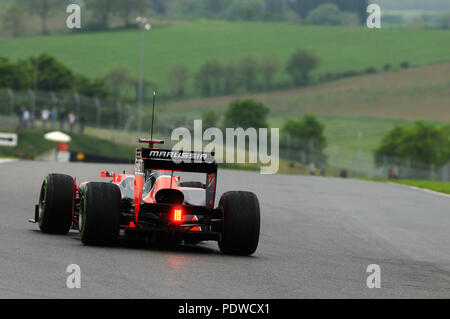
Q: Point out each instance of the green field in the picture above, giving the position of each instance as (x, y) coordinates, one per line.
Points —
(192, 43)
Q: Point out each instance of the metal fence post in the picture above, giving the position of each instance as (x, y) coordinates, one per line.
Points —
(32, 95)
(119, 113)
(98, 106)
(11, 101)
(77, 103)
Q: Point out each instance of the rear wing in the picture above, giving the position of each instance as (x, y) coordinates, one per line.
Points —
(180, 161)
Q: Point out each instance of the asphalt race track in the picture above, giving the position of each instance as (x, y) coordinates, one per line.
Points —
(318, 235)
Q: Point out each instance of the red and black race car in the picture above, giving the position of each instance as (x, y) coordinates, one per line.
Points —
(152, 204)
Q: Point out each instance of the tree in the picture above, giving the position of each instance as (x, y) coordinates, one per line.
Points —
(13, 18)
(116, 78)
(269, 67)
(147, 84)
(126, 8)
(307, 135)
(43, 8)
(245, 9)
(276, 7)
(248, 69)
(102, 10)
(444, 21)
(209, 119)
(216, 72)
(159, 6)
(300, 66)
(246, 113)
(190, 8)
(356, 6)
(304, 7)
(52, 75)
(326, 14)
(422, 143)
(91, 87)
(215, 6)
(208, 78)
(179, 76)
(278, 10)
(16, 76)
(203, 81)
(229, 78)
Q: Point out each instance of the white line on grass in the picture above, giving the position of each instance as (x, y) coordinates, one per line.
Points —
(421, 189)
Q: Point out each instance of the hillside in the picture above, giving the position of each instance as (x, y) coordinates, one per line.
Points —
(421, 93)
(192, 43)
(370, 104)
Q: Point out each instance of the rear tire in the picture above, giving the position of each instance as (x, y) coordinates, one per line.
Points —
(99, 214)
(241, 223)
(56, 204)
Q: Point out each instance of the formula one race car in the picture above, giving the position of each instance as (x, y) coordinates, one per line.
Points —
(153, 204)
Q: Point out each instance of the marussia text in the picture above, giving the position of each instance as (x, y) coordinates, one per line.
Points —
(224, 309)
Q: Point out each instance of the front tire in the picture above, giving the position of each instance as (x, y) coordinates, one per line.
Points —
(99, 214)
(241, 223)
(56, 204)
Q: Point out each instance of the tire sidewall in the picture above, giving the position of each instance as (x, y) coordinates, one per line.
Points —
(241, 223)
(100, 210)
(56, 211)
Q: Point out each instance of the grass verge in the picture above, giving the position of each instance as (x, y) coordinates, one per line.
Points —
(442, 187)
(32, 143)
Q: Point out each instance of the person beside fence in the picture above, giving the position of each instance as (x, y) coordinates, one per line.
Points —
(72, 119)
(393, 174)
(45, 116)
(53, 117)
(26, 118)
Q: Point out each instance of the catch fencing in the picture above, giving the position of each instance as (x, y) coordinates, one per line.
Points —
(117, 120)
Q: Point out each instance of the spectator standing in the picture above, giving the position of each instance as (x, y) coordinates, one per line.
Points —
(72, 119)
(393, 174)
(62, 119)
(45, 116)
(26, 117)
(53, 117)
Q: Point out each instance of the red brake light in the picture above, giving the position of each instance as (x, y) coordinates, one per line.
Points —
(177, 215)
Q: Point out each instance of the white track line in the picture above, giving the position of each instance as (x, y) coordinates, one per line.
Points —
(421, 189)
(6, 160)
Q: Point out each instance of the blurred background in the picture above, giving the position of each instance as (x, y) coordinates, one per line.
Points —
(349, 101)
